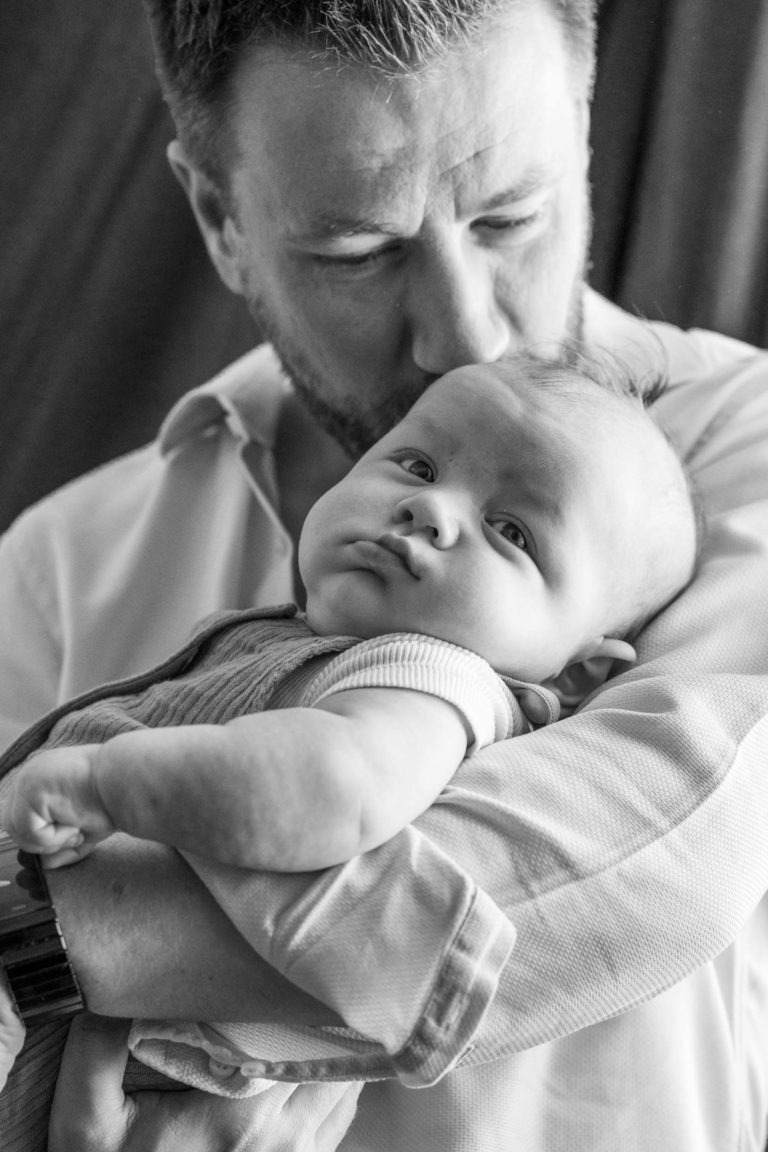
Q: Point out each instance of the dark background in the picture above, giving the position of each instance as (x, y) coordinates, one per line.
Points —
(109, 308)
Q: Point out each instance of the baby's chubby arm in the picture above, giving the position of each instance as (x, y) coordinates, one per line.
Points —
(293, 789)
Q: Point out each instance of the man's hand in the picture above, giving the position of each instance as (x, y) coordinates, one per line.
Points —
(92, 1114)
(11, 1033)
(54, 808)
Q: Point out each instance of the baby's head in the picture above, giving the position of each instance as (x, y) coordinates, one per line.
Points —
(529, 510)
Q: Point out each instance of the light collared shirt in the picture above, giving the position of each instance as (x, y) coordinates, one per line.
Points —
(625, 847)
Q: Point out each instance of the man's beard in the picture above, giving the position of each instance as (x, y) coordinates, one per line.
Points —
(354, 431)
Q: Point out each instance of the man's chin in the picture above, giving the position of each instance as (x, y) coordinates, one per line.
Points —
(353, 429)
(353, 432)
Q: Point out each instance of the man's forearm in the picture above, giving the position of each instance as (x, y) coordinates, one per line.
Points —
(146, 939)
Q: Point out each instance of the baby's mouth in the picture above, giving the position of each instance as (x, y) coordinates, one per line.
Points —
(401, 547)
(387, 554)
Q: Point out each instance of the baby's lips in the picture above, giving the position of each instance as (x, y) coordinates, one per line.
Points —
(403, 547)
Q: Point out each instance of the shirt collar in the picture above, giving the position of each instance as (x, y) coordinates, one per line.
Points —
(641, 346)
(247, 396)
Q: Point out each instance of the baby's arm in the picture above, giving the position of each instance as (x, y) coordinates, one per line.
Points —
(289, 790)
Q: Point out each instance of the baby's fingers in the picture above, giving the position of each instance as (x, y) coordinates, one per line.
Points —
(34, 834)
(59, 844)
(73, 855)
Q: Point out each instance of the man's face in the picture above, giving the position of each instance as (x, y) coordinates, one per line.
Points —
(387, 232)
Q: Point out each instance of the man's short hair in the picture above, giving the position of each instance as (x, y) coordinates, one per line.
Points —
(199, 42)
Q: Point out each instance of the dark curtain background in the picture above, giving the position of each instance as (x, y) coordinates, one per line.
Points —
(108, 306)
(680, 172)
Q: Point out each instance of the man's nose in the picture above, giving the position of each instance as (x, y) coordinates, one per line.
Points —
(455, 316)
(433, 513)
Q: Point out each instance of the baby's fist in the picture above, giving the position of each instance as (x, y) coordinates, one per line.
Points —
(54, 808)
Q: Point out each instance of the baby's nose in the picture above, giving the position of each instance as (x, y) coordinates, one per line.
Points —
(431, 512)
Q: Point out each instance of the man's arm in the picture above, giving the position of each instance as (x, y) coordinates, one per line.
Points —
(292, 790)
(146, 939)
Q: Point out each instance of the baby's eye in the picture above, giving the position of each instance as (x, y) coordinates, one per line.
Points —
(418, 466)
(512, 532)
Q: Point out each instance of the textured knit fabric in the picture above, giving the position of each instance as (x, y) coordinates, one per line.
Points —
(626, 844)
(488, 707)
(217, 675)
(235, 661)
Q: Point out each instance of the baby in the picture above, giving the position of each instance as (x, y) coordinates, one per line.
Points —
(478, 572)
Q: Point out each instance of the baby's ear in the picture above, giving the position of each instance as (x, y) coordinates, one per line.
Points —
(591, 668)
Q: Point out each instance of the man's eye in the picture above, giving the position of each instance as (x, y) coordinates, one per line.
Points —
(507, 223)
(352, 261)
(513, 533)
(355, 260)
(418, 466)
(513, 226)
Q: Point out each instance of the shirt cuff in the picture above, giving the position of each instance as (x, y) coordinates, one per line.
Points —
(400, 942)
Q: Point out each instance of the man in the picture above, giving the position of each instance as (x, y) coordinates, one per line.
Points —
(391, 211)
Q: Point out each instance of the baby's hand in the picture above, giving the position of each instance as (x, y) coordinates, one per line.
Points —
(54, 808)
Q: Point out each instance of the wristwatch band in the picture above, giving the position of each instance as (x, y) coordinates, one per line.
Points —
(33, 954)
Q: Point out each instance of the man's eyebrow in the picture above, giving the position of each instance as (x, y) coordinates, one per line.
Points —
(330, 226)
(333, 225)
(534, 180)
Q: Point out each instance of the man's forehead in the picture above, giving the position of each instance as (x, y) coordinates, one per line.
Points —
(341, 123)
(383, 205)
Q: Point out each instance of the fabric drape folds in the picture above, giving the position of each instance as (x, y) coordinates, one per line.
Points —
(680, 132)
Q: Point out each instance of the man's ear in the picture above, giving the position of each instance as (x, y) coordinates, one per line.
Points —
(589, 670)
(213, 217)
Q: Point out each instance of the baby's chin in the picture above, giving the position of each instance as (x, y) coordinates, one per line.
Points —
(327, 621)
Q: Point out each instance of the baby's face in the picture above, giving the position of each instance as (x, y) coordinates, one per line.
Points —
(482, 518)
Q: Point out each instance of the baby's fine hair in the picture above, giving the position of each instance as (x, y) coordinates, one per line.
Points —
(581, 377)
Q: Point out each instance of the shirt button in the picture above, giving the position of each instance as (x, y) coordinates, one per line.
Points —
(220, 1070)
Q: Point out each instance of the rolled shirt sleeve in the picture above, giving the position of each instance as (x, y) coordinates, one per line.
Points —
(400, 942)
